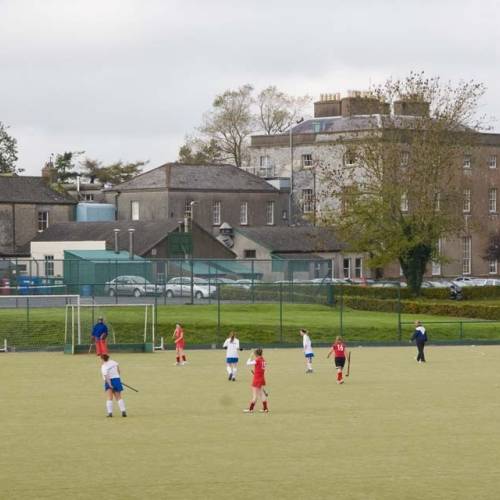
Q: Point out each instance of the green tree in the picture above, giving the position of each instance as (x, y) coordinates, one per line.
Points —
(114, 173)
(65, 165)
(197, 152)
(8, 152)
(400, 188)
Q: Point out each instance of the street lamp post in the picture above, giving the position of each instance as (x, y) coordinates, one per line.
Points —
(192, 204)
(290, 197)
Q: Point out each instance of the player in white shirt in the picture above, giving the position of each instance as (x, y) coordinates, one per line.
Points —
(112, 384)
(232, 346)
(308, 352)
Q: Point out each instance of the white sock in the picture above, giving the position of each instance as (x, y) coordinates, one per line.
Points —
(235, 371)
(228, 368)
(109, 406)
(121, 404)
(309, 365)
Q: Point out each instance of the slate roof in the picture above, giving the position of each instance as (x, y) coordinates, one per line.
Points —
(146, 236)
(26, 189)
(179, 176)
(293, 240)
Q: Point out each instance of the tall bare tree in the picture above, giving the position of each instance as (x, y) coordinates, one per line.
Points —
(8, 152)
(401, 186)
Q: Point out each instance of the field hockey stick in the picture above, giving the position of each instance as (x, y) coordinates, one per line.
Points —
(90, 347)
(348, 364)
(130, 387)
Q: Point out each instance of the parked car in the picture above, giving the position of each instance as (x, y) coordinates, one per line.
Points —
(487, 282)
(131, 285)
(181, 287)
(466, 281)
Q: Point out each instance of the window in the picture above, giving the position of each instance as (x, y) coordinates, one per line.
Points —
(436, 265)
(350, 157)
(466, 207)
(316, 127)
(492, 161)
(264, 161)
(216, 210)
(88, 197)
(249, 254)
(307, 201)
(405, 158)
(437, 201)
(284, 214)
(358, 267)
(270, 213)
(492, 200)
(188, 209)
(307, 160)
(134, 209)
(347, 268)
(244, 214)
(404, 202)
(493, 266)
(466, 253)
(467, 161)
(49, 265)
(43, 220)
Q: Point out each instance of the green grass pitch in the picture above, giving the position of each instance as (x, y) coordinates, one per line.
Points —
(395, 430)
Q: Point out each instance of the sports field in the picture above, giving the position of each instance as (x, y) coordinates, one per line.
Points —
(394, 430)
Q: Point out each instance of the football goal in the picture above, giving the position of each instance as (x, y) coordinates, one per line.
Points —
(34, 322)
(131, 327)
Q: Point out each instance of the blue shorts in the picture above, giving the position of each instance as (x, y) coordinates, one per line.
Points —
(231, 360)
(309, 355)
(116, 385)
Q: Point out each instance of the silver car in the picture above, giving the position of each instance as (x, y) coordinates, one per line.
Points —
(181, 287)
(135, 286)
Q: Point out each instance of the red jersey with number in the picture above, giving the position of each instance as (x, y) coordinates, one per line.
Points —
(339, 349)
(258, 372)
(179, 334)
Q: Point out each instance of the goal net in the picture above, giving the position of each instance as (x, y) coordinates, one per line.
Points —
(34, 322)
(131, 327)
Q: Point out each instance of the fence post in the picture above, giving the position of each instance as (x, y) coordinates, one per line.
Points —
(399, 313)
(218, 312)
(191, 264)
(461, 330)
(253, 278)
(281, 312)
(341, 316)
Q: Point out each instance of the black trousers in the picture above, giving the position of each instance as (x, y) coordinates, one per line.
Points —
(420, 355)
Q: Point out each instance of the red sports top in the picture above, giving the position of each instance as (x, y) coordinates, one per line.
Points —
(179, 332)
(339, 349)
(259, 370)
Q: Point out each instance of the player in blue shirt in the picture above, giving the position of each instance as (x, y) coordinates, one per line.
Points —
(420, 338)
(99, 336)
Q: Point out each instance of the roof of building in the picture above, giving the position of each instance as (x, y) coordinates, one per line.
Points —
(196, 178)
(101, 255)
(27, 189)
(147, 233)
(293, 240)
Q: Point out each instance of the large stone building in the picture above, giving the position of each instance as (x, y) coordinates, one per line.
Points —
(206, 194)
(321, 141)
(28, 206)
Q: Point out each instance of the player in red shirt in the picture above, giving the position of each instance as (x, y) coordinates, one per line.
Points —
(178, 337)
(258, 382)
(340, 351)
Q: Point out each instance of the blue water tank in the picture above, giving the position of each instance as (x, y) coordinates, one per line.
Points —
(95, 212)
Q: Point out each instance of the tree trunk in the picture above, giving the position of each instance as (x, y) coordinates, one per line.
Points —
(413, 264)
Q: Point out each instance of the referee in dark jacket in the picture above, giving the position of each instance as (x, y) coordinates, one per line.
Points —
(420, 338)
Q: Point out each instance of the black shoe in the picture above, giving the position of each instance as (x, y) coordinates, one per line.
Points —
(233, 379)
(124, 413)
(110, 415)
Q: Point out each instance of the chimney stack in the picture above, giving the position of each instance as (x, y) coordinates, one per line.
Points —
(411, 105)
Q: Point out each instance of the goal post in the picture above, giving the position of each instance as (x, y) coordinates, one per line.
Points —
(35, 322)
(131, 327)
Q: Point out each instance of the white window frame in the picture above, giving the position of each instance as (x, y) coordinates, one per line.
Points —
(492, 200)
(358, 267)
(216, 213)
(88, 197)
(350, 158)
(264, 161)
(48, 265)
(436, 265)
(405, 159)
(466, 255)
(493, 266)
(188, 209)
(404, 202)
(437, 201)
(43, 220)
(307, 201)
(307, 160)
(492, 161)
(135, 209)
(467, 162)
(467, 201)
(244, 213)
(346, 270)
(270, 213)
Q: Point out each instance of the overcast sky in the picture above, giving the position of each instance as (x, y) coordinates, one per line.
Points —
(128, 79)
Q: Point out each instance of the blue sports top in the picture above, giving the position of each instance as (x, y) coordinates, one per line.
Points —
(99, 329)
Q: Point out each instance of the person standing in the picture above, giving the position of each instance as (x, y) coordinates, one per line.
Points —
(99, 335)
(339, 349)
(112, 385)
(308, 352)
(258, 382)
(232, 346)
(420, 338)
(178, 337)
